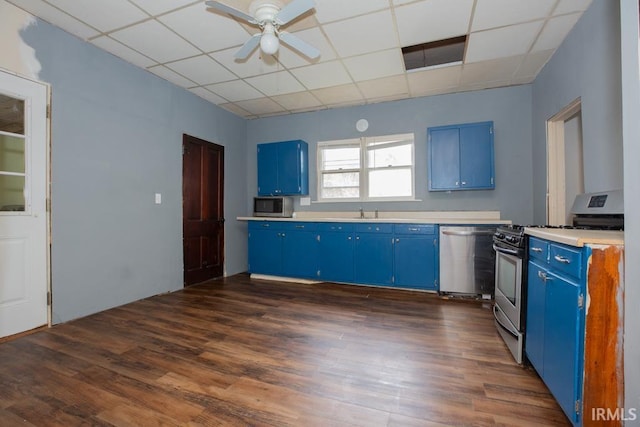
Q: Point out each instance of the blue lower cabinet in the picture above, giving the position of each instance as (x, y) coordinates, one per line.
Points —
(415, 257)
(536, 298)
(300, 248)
(374, 254)
(265, 243)
(336, 252)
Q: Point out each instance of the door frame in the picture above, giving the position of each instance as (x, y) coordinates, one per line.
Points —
(556, 183)
(48, 208)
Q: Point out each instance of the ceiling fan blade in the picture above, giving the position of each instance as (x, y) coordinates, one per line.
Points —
(299, 45)
(248, 47)
(230, 11)
(293, 10)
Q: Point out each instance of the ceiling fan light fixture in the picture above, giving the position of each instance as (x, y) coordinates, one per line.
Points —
(269, 42)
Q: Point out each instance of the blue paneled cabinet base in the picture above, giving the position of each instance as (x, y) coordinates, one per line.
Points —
(381, 254)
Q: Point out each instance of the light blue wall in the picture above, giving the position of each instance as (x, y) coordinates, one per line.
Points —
(116, 141)
(509, 108)
(586, 66)
(631, 137)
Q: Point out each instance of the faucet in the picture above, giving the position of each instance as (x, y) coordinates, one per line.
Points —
(361, 213)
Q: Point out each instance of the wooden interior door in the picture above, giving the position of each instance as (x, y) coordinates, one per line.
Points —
(203, 209)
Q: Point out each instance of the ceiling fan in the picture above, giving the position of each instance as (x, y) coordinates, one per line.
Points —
(270, 15)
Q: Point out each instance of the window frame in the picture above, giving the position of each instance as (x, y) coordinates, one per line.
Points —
(364, 144)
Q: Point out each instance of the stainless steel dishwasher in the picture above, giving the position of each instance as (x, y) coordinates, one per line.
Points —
(467, 260)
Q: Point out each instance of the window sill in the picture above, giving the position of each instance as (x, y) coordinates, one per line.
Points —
(380, 200)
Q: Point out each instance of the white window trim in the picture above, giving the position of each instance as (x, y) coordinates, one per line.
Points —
(364, 176)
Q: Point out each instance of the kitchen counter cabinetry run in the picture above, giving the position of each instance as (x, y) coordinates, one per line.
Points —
(381, 254)
(574, 325)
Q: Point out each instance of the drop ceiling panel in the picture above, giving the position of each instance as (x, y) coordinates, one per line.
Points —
(432, 20)
(339, 95)
(386, 88)
(375, 65)
(502, 42)
(208, 31)
(172, 76)
(255, 65)
(532, 64)
(279, 83)
(202, 69)
(499, 13)
(334, 10)
(56, 17)
(122, 51)
(237, 110)
(437, 79)
(321, 75)
(155, 41)
(156, 7)
(208, 95)
(300, 101)
(103, 15)
(568, 6)
(554, 31)
(364, 34)
(260, 107)
(236, 90)
(501, 69)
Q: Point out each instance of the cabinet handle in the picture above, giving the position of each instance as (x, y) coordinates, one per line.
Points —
(535, 249)
(266, 225)
(457, 183)
(562, 259)
(357, 237)
(299, 226)
(282, 234)
(414, 229)
(464, 182)
(542, 275)
(349, 238)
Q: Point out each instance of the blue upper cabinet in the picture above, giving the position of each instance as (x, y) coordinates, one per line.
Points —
(283, 168)
(461, 157)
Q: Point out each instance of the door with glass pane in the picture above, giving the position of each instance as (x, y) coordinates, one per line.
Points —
(24, 252)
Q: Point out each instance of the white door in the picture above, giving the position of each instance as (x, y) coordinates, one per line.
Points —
(24, 252)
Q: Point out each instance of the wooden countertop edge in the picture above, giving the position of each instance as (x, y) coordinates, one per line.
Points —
(578, 238)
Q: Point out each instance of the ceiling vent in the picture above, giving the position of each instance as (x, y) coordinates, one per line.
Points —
(434, 54)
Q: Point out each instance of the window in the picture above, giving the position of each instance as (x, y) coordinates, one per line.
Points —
(372, 168)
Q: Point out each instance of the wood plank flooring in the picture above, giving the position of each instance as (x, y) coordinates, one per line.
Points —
(238, 351)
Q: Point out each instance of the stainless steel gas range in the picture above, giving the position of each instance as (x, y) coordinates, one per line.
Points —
(591, 211)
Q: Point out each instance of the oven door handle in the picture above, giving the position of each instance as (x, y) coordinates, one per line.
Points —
(506, 251)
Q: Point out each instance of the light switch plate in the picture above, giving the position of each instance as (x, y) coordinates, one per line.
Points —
(305, 201)
(158, 198)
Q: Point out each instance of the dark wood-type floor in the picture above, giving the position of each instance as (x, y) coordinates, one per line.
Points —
(249, 352)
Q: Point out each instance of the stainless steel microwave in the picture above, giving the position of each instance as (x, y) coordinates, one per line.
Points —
(273, 206)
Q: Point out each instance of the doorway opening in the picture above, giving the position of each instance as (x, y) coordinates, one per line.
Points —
(202, 209)
(565, 164)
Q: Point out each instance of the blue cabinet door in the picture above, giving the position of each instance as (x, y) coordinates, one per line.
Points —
(336, 257)
(267, 169)
(476, 156)
(562, 349)
(461, 157)
(535, 334)
(415, 262)
(265, 249)
(374, 259)
(444, 158)
(300, 254)
(283, 168)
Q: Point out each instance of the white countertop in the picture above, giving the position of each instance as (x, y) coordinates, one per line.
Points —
(578, 238)
(430, 217)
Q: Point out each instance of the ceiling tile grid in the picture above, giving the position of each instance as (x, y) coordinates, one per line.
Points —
(360, 41)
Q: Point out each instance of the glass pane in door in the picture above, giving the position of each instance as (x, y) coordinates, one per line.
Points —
(12, 193)
(11, 154)
(11, 115)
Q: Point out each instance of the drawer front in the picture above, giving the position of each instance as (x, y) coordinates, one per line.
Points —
(335, 226)
(299, 226)
(265, 225)
(374, 228)
(566, 259)
(538, 249)
(415, 229)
